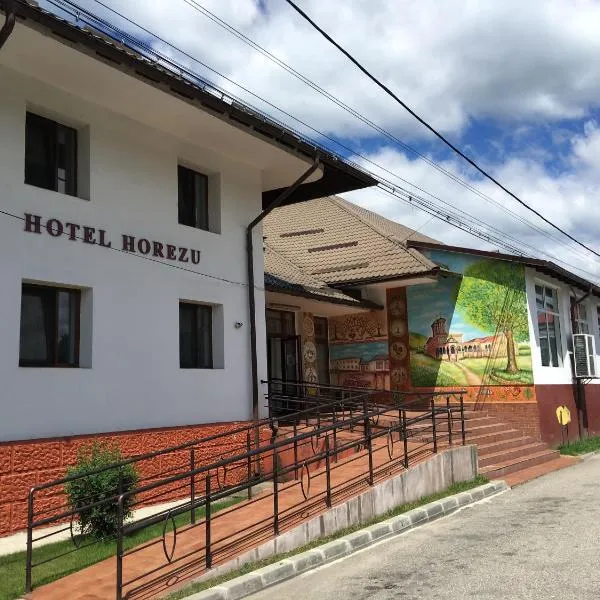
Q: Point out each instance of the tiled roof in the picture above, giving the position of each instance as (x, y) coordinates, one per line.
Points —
(284, 276)
(338, 242)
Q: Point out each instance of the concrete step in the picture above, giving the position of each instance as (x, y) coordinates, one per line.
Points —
(492, 448)
(525, 475)
(424, 431)
(501, 469)
(510, 454)
(490, 438)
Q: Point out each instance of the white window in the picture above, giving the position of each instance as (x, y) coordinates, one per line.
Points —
(548, 323)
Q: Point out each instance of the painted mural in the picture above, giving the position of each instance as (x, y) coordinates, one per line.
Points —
(470, 328)
(358, 351)
(398, 338)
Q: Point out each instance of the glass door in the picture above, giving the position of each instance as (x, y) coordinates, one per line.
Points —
(283, 353)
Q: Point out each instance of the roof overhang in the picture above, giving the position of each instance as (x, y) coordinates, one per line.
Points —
(124, 81)
(543, 266)
(401, 280)
(289, 300)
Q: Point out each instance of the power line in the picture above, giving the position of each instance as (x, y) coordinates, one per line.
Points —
(388, 187)
(447, 218)
(291, 70)
(448, 143)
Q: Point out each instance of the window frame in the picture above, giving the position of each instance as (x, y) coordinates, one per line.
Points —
(557, 313)
(209, 362)
(577, 320)
(322, 345)
(198, 221)
(48, 291)
(52, 130)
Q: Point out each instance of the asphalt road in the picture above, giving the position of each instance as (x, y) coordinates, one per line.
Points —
(539, 541)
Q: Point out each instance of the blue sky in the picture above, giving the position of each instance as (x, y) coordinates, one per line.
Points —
(515, 84)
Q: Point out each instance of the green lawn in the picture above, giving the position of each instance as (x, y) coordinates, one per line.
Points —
(590, 444)
(495, 368)
(12, 566)
(455, 488)
(428, 372)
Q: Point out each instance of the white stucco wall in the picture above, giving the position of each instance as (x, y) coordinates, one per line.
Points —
(133, 380)
(563, 374)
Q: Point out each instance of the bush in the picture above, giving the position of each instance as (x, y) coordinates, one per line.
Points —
(100, 520)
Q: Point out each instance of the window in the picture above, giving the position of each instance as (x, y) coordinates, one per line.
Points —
(580, 317)
(548, 321)
(280, 323)
(322, 345)
(193, 198)
(50, 155)
(195, 336)
(49, 327)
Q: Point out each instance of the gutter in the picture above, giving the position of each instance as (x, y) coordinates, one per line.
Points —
(250, 267)
(435, 272)
(9, 23)
(303, 293)
(578, 385)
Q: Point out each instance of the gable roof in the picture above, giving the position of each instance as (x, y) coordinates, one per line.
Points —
(282, 275)
(343, 244)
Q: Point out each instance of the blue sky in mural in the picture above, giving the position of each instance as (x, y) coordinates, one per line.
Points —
(364, 350)
(457, 263)
(426, 303)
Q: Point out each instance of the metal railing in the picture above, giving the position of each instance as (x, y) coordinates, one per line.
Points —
(315, 456)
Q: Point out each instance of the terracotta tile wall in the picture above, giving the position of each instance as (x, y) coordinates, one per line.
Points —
(25, 464)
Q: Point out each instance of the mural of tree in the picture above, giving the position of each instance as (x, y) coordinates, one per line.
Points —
(492, 298)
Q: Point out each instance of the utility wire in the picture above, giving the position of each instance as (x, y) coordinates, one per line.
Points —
(389, 187)
(448, 143)
(447, 218)
(314, 86)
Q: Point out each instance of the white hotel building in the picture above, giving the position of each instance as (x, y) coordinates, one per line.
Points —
(126, 192)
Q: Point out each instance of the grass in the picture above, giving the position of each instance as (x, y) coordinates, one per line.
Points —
(194, 588)
(426, 371)
(590, 444)
(496, 369)
(12, 566)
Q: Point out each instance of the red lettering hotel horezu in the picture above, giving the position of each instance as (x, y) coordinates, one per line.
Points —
(91, 235)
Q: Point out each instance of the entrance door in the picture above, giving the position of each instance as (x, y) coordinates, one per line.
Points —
(283, 352)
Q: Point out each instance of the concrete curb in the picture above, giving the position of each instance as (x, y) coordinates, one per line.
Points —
(260, 579)
(585, 456)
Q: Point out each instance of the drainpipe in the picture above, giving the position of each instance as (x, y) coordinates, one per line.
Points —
(250, 265)
(578, 385)
(9, 23)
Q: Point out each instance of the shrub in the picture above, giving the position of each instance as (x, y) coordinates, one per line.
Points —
(100, 520)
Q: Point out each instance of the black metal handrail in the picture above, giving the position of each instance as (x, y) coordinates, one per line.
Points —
(321, 421)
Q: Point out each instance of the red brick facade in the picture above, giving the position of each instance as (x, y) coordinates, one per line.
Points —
(24, 464)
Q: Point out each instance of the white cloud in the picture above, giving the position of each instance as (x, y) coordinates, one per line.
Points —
(569, 198)
(452, 61)
(524, 65)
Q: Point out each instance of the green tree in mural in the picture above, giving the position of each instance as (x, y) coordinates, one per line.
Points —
(492, 298)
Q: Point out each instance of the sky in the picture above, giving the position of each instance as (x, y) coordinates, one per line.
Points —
(515, 84)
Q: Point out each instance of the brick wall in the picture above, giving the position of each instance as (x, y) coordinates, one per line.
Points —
(24, 464)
